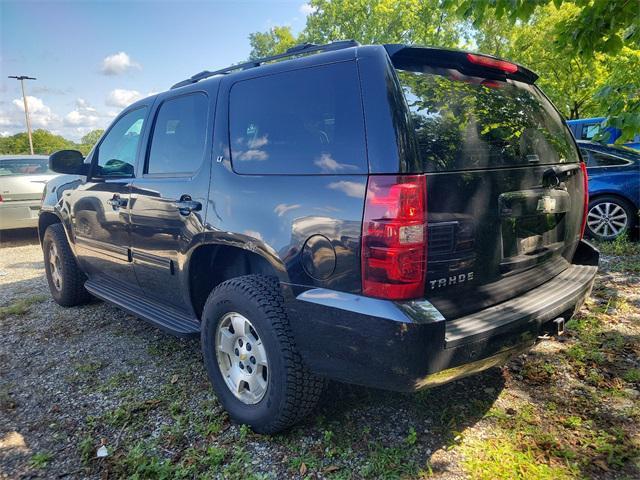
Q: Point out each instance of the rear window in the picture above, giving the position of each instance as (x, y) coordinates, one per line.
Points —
(24, 166)
(463, 122)
(306, 121)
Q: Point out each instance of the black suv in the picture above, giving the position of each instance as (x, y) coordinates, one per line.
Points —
(389, 216)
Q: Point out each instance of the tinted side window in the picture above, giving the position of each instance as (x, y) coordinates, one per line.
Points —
(301, 122)
(179, 135)
(603, 160)
(118, 149)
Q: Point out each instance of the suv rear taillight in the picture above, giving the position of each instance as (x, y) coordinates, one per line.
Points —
(585, 179)
(394, 237)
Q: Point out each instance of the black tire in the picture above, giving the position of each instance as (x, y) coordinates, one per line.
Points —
(292, 390)
(605, 233)
(68, 288)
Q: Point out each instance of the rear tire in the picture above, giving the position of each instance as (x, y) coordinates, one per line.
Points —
(609, 217)
(66, 280)
(286, 390)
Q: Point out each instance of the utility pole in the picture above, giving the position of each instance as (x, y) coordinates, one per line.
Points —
(22, 78)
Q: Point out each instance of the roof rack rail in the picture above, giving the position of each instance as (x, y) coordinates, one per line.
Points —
(301, 49)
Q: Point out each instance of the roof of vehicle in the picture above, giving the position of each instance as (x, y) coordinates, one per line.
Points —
(21, 157)
(345, 49)
(586, 120)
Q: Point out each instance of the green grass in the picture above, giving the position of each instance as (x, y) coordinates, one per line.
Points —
(500, 458)
(625, 254)
(40, 460)
(20, 307)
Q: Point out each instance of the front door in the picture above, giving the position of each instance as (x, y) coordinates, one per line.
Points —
(168, 198)
(100, 207)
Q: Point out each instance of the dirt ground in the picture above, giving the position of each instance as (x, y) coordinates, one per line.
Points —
(75, 382)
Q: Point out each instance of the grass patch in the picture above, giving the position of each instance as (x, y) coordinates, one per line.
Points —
(20, 307)
(40, 460)
(500, 458)
(625, 254)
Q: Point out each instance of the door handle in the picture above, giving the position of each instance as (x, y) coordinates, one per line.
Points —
(117, 202)
(186, 205)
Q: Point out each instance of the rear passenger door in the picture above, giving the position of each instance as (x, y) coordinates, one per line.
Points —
(169, 197)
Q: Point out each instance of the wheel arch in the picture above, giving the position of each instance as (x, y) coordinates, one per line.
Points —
(611, 193)
(44, 221)
(213, 263)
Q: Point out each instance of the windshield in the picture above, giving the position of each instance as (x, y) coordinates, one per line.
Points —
(463, 122)
(24, 166)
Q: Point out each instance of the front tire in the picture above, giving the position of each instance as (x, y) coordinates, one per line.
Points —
(65, 279)
(250, 357)
(609, 217)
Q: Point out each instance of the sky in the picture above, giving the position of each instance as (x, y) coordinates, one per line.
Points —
(92, 58)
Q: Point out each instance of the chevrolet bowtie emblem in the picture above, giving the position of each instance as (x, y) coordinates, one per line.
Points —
(243, 356)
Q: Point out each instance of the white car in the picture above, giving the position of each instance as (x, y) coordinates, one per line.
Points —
(22, 180)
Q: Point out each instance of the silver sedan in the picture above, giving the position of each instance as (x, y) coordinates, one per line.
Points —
(22, 180)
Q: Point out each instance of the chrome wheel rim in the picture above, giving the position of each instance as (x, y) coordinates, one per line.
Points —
(607, 219)
(242, 358)
(54, 267)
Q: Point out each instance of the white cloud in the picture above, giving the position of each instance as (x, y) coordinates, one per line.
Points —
(40, 114)
(306, 9)
(351, 189)
(119, 63)
(283, 208)
(84, 116)
(122, 98)
(327, 164)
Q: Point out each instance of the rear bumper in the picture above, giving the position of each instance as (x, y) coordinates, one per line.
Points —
(410, 345)
(19, 214)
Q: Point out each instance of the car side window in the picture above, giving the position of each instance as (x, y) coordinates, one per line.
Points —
(599, 159)
(117, 151)
(587, 157)
(589, 131)
(307, 121)
(179, 135)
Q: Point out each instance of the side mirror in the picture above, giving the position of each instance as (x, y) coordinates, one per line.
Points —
(68, 161)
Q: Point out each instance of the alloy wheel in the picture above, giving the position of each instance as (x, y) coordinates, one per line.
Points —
(607, 219)
(55, 266)
(242, 358)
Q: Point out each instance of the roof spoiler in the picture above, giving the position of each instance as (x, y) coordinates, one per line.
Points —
(301, 49)
(407, 58)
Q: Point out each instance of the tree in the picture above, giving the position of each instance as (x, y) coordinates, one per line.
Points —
(571, 81)
(598, 25)
(382, 21)
(44, 143)
(271, 42)
(366, 21)
(92, 137)
(89, 140)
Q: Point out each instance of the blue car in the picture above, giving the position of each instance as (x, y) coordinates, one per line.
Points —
(614, 189)
(588, 128)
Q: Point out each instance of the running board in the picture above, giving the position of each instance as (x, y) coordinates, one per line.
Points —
(165, 318)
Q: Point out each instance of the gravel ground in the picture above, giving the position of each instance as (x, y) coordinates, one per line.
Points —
(75, 380)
